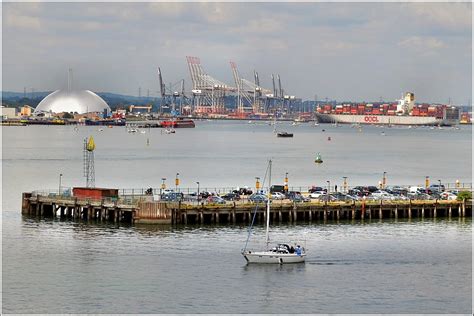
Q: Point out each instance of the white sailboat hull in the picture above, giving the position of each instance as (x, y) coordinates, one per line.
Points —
(272, 257)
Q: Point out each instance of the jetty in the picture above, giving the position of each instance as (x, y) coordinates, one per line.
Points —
(108, 206)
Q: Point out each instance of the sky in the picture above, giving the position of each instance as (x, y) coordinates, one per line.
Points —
(342, 51)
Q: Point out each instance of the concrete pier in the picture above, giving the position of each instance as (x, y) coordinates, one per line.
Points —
(156, 212)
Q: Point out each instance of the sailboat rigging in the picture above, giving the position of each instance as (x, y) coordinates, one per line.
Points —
(281, 253)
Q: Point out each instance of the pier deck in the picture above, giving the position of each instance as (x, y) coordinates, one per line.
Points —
(142, 210)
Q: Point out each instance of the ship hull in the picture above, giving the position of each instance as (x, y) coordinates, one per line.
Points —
(381, 119)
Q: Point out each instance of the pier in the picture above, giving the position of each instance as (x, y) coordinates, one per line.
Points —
(142, 209)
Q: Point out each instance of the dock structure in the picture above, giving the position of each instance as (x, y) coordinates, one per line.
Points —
(143, 209)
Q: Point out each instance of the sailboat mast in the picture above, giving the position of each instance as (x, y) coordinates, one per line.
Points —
(268, 202)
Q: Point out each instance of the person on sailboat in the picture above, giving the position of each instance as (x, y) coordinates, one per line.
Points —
(298, 250)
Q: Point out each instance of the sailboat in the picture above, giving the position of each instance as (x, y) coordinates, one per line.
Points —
(281, 253)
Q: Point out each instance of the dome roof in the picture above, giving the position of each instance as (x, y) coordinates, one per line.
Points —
(83, 101)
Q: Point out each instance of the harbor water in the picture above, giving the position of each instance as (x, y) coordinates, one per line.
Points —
(388, 266)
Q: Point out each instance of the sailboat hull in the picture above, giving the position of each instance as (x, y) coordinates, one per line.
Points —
(272, 257)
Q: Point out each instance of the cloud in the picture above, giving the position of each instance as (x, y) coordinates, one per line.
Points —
(422, 43)
(451, 16)
(22, 21)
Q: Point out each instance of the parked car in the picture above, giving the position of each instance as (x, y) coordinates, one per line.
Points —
(243, 191)
(448, 196)
(291, 194)
(416, 189)
(300, 198)
(316, 189)
(382, 195)
(204, 195)
(257, 198)
(215, 200)
(437, 187)
(277, 188)
(167, 191)
(317, 194)
(173, 196)
(231, 196)
(339, 196)
(278, 196)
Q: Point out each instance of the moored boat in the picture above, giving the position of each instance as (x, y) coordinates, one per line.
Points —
(178, 123)
(284, 134)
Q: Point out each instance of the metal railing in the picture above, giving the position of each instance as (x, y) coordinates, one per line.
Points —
(190, 195)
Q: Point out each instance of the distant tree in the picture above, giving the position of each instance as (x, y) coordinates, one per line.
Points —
(465, 195)
(68, 115)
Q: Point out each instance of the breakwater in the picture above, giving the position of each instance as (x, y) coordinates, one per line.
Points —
(144, 210)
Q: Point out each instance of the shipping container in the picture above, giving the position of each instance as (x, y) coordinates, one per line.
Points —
(95, 193)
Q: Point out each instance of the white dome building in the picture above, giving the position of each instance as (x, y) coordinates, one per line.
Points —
(80, 101)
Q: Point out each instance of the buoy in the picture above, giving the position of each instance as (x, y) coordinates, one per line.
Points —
(318, 159)
(329, 138)
(90, 144)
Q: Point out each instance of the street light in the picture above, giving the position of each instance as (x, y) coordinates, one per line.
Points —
(60, 177)
(329, 190)
(286, 182)
(427, 183)
(384, 180)
(197, 182)
(345, 184)
(439, 187)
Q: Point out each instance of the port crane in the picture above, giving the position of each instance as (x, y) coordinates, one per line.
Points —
(171, 96)
(248, 93)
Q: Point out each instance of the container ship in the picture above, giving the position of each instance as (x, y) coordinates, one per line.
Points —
(405, 112)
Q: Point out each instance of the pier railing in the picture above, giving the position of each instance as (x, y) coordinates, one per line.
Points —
(190, 195)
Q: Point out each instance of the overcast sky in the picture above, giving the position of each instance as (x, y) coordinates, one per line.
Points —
(346, 51)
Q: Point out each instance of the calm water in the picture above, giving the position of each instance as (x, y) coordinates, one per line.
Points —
(372, 267)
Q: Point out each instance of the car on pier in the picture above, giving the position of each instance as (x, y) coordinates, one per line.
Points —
(257, 198)
(215, 200)
(278, 196)
(173, 196)
(231, 196)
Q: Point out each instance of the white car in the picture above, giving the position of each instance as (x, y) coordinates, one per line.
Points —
(448, 196)
(317, 194)
(382, 195)
(278, 196)
(416, 189)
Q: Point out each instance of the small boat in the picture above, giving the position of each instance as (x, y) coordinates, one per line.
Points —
(170, 131)
(316, 124)
(281, 253)
(132, 130)
(318, 159)
(284, 134)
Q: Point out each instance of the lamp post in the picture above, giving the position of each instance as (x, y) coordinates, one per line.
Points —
(176, 181)
(345, 184)
(329, 190)
(286, 182)
(384, 180)
(257, 183)
(163, 185)
(197, 182)
(427, 183)
(60, 177)
(439, 187)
